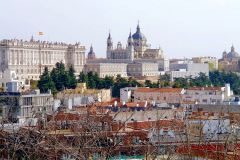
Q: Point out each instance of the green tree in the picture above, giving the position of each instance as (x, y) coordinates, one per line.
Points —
(176, 84)
(181, 83)
(165, 77)
(211, 66)
(148, 83)
(108, 81)
(82, 78)
(91, 83)
(61, 76)
(46, 82)
(54, 75)
(97, 80)
(120, 83)
(72, 78)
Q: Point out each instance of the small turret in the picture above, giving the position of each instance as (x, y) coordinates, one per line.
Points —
(232, 49)
(32, 39)
(130, 39)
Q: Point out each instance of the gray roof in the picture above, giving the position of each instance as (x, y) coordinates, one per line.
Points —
(138, 35)
(91, 52)
(232, 55)
(217, 108)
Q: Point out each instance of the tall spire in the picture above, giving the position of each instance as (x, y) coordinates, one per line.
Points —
(130, 34)
(232, 48)
(138, 28)
(91, 49)
(109, 37)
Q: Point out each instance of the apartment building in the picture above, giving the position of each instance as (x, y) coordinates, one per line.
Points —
(29, 104)
(159, 95)
(208, 95)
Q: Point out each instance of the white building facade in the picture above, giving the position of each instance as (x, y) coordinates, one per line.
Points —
(107, 69)
(187, 69)
(10, 76)
(208, 95)
(29, 58)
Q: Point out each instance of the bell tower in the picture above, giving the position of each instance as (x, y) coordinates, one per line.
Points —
(109, 46)
(130, 53)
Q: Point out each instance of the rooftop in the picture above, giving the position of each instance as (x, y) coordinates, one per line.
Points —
(162, 90)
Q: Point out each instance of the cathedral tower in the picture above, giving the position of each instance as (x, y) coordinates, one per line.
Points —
(109, 46)
(130, 48)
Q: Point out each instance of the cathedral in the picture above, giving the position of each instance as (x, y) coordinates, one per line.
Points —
(136, 59)
(136, 48)
(233, 55)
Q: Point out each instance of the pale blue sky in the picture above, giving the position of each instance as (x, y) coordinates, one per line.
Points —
(183, 28)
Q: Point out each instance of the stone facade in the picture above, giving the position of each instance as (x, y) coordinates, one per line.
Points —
(110, 69)
(100, 95)
(142, 69)
(123, 69)
(29, 58)
(209, 59)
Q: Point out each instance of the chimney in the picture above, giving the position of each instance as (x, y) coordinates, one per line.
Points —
(115, 103)
(145, 105)
(119, 124)
(153, 103)
(200, 111)
(123, 127)
(124, 103)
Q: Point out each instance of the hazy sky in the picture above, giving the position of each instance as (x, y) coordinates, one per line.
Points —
(183, 28)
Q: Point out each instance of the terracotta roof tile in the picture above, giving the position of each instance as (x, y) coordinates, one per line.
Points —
(205, 88)
(115, 99)
(159, 90)
(189, 102)
(146, 89)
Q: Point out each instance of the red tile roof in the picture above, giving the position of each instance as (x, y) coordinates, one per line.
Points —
(189, 102)
(159, 90)
(115, 99)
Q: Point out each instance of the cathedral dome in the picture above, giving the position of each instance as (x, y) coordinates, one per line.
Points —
(91, 51)
(138, 35)
(233, 54)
